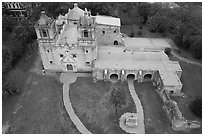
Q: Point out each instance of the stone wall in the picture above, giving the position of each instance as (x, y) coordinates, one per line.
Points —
(106, 35)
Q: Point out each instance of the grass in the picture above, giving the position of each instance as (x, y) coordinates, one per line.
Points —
(91, 102)
(156, 120)
(192, 87)
(186, 54)
(39, 107)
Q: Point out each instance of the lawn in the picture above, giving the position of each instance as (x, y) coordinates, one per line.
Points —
(192, 87)
(156, 120)
(39, 107)
(91, 102)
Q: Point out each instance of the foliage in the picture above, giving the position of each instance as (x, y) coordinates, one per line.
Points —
(97, 8)
(132, 34)
(25, 30)
(167, 51)
(6, 60)
(139, 33)
(8, 23)
(157, 23)
(117, 97)
(196, 107)
(147, 10)
(196, 48)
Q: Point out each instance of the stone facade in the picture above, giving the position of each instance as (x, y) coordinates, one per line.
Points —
(76, 41)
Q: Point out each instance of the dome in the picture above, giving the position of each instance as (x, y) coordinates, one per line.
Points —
(60, 20)
(44, 19)
(75, 13)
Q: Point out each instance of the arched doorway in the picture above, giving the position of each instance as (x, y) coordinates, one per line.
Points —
(115, 42)
(114, 77)
(131, 76)
(69, 67)
(148, 76)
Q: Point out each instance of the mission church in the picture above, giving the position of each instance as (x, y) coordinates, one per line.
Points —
(80, 42)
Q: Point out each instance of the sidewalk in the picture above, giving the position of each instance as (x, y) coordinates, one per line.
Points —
(141, 127)
(68, 78)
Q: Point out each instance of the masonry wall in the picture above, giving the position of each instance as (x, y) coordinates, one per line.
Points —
(109, 36)
(57, 53)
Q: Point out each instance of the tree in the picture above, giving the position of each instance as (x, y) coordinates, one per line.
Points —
(196, 107)
(144, 10)
(167, 51)
(6, 60)
(196, 48)
(147, 10)
(117, 98)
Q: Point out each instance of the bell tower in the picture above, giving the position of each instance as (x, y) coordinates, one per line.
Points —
(45, 28)
(46, 34)
(87, 39)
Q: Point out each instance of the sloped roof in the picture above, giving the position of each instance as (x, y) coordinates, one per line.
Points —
(107, 20)
(75, 13)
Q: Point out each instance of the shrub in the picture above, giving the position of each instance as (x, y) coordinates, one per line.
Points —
(140, 27)
(196, 107)
(139, 33)
(6, 60)
(167, 51)
(132, 34)
(196, 49)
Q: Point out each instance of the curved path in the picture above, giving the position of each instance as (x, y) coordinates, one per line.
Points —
(141, 127)
(185, 60)
(68, 78)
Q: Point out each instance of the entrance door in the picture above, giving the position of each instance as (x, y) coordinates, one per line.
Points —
(69, 67)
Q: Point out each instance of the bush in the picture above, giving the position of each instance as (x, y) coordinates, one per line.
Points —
(167, 51)
(196, 107)
(139, 33)
(140, 27)
(6, 60)
(196, 49)
(132, 34)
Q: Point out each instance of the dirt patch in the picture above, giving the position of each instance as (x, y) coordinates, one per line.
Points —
(91, 102)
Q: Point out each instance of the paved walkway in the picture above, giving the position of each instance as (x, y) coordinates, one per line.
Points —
(185, 60)
(68, 78)
(141, 127)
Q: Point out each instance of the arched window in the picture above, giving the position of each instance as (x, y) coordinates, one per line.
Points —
(86, 33)
(44, 33)
(115, 42)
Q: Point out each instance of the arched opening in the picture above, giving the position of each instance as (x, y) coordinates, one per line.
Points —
(114, 77)
(148, 77)
(69, 67)
(86, 33)
(115, 42)
(131, 76)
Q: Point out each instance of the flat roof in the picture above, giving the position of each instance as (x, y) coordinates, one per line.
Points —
(146, 43)
(170, 78)
(107, 20)
(116, 59)
(114, 54)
